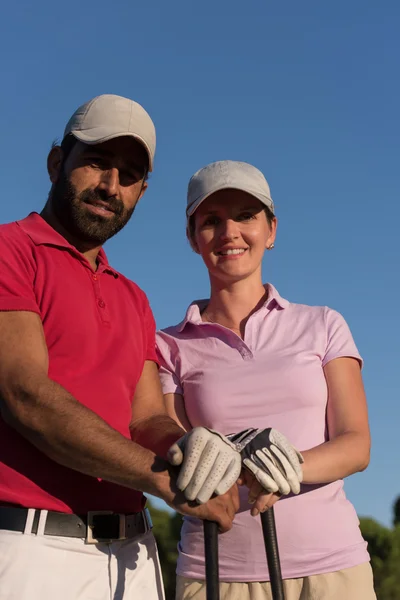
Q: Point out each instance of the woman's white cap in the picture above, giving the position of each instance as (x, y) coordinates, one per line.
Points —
(227, 174)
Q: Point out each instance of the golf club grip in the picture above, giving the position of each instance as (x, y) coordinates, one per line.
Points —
(211, 556)
(271, 549)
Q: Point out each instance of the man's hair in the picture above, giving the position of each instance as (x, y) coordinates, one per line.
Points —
(192, 226)
(68, 143)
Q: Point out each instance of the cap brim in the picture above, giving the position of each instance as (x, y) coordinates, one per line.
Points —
(263, 199)
(101, 134)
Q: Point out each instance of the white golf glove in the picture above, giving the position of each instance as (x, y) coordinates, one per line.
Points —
(274, 462)
(210, 464)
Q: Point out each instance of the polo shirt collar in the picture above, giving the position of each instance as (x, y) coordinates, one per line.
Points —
(274, 298)
(41, 233)
(193, 313)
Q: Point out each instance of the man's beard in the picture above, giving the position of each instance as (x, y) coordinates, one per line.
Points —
(70, 210)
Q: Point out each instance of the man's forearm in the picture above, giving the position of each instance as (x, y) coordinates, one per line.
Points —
(156, 433)
(74, 436)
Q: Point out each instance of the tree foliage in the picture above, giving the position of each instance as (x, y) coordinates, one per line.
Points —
(379, 541)
(166, 530)
(383, 546)
(396, 512)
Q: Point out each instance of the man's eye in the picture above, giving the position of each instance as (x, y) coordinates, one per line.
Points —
(131, 176)
(96, 162)
(136, 175)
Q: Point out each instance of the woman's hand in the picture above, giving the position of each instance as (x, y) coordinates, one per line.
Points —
(271, 458)
(258, 497)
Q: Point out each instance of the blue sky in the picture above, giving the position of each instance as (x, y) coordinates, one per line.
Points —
(308, 92)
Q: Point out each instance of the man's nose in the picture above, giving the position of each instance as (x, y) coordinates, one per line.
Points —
(110, 181)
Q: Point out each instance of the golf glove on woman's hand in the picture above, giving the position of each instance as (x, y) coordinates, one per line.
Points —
(210, 464)
(273, 461)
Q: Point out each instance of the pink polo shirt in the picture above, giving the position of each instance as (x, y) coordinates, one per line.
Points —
(272, 378)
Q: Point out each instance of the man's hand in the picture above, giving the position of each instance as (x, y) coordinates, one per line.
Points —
(221, 509)
(273, 461)
(210, 464)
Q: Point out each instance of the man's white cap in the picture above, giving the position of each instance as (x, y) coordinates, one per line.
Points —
(108, 116)
(227, 174)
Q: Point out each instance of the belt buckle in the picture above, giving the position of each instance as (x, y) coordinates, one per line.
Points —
(120, 529)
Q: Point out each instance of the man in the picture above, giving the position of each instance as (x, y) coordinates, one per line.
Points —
(83, 429)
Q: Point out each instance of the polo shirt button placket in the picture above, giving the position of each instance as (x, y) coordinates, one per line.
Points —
(245, 353)
(100, 302)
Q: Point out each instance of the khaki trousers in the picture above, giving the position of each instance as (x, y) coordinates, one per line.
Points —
(355, 583)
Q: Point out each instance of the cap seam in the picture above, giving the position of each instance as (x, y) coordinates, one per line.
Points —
(89, 105)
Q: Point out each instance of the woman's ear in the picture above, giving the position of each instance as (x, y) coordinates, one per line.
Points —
(192, 241)
(272, 235)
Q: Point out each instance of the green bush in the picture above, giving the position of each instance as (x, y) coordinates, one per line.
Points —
(383, 546)
(166, 530)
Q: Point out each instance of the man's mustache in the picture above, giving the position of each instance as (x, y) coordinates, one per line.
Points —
(93, 196)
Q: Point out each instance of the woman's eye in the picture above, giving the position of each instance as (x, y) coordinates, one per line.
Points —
(210, 221)
(246, 216)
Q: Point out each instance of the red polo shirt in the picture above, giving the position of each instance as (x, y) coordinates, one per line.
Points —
(99, 331)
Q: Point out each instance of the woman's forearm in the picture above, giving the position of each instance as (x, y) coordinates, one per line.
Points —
(346, 454)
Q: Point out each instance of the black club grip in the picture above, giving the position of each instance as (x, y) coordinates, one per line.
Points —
(211, 557)
(271, 549)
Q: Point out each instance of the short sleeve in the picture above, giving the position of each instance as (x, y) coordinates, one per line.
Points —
(17, 271)
(150, 327)
(168, 359)
(340, 341)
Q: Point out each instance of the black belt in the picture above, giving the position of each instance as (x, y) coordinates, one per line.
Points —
(95, 526)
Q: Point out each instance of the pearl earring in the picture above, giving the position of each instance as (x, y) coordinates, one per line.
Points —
(271, 246)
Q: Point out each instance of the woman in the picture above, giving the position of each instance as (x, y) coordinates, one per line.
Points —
(246, 357)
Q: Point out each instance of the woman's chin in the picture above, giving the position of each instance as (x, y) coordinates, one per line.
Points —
(231, 275)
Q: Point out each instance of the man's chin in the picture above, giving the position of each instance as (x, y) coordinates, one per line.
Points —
(95, 228)
(95, 236)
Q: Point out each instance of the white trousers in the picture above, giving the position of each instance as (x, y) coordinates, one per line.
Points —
(38, 567)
